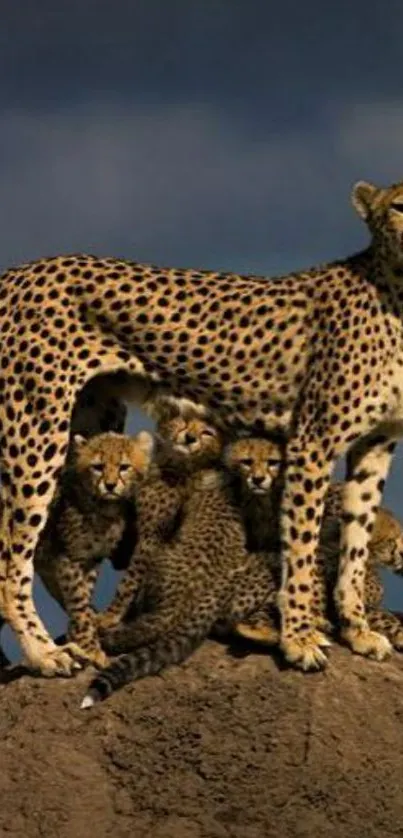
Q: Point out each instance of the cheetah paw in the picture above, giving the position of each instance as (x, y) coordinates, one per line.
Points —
(62, 660)
(397, 641)
(363, 641)
(94, 655)
(305, 651)
(260, 633)
(320, 638)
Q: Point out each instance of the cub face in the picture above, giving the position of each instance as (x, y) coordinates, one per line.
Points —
(256, 461)
(109, 465)
(192, 438)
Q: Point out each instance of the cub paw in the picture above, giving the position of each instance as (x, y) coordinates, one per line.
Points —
(363, 641)
(258, 632)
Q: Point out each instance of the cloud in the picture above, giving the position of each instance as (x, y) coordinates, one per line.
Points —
(370, 136)
(173, 183)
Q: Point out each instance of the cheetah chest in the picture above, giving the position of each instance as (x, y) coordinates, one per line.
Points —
(100, 541)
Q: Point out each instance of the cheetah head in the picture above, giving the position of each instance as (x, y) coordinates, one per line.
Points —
(188, 436)
(256, 461)
(192, 438)
(110, 465)
(382, 210)
(387, 539)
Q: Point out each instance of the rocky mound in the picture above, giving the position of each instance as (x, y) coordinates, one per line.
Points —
(223, 746)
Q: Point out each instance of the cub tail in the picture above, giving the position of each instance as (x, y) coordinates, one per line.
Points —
(145, 660)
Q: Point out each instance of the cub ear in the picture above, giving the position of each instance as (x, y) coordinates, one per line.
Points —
(79, 441)
(362, 198)
(145, 441)
(163, 410)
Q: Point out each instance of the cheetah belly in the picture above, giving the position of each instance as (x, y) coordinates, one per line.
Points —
(393, 395)
(240, 349)
(254, 391)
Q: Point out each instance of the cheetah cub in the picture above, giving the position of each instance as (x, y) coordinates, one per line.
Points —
(86, 523)
(258, 463)
(184, 444)
(205, 580)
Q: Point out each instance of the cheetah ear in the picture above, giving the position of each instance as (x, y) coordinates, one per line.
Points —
(163, 409)
(145, 441)
(79, 441)
(362, 197)
(191, 410)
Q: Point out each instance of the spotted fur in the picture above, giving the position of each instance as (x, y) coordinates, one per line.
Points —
(94, 502)
(185, 444)
(207, 579)
(258, 463)
(317, 353)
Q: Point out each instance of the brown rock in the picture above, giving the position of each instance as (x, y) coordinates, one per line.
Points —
(221, 747)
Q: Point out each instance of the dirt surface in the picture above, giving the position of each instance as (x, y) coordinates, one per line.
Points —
(223, 746)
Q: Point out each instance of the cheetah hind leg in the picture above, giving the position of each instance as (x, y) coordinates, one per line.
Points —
(20, 530)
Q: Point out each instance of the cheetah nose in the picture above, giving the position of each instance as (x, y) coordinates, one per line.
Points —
(189, 438)
(258, 479)
(109, 487)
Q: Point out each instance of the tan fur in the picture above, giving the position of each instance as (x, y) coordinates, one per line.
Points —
(205, 579)
(185, 446)
(258, 462)
(87, 521)
(316, 353)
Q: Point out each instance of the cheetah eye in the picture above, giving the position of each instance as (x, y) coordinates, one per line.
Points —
(207, 432)
(97, 468)
(397, 205)
(124, 468)
(272, 463)
(246, 461)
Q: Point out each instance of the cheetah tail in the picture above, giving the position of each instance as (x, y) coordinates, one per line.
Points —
(146, 660)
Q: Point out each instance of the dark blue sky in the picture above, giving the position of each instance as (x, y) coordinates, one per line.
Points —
(220, 134)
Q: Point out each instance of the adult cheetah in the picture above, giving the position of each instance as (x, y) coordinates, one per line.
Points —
(317, 352)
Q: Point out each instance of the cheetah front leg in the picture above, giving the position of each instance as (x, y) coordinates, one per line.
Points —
(71, 583)
(77, 583)
(254, 614)
(128, 593)
(306, 480)
(368, 467)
